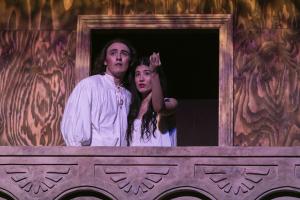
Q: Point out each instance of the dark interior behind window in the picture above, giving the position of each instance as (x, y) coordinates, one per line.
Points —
(190, 59)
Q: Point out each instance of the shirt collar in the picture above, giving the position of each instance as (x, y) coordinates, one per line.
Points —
(111, 81)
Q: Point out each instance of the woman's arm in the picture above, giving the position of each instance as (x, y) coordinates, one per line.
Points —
(160, 104)
(157, 93)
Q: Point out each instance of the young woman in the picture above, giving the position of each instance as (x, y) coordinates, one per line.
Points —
(151, 115)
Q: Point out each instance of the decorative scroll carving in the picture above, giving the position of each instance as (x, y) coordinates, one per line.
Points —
(236, 178)
(136, 179)
(37, 179)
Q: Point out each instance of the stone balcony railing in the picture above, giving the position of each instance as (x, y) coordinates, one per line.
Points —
(149, 173)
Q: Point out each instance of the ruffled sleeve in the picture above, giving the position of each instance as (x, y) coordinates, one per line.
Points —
(76, 122)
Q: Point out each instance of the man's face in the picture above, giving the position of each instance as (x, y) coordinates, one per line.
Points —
(117, 59)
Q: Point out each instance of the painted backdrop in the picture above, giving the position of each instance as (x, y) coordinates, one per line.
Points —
(37, 60)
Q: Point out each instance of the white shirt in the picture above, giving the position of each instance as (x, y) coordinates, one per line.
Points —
(166, 139)
(96, 113)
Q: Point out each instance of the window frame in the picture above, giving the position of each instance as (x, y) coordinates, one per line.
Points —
(222, 22)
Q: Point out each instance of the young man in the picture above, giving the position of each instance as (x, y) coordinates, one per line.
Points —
(96, 111)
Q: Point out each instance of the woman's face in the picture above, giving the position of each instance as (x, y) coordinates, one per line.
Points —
(143, 79)
(117, 59)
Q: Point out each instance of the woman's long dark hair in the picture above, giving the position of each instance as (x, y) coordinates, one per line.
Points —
(149, 121)
(100, 68)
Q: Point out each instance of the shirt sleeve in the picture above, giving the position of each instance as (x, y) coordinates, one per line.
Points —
(76, 122)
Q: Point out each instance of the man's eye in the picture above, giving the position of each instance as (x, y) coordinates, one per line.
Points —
(112, 53)
(124, 53)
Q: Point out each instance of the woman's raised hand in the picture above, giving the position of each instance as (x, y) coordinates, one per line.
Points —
(154, 61)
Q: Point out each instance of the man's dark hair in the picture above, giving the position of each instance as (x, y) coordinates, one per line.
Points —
(100, 68)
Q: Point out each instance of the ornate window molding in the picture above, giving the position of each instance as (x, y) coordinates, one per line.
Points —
(222, 22)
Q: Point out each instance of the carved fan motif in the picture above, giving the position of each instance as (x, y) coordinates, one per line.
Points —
(36, 179)
(236, 178)
(136, 179)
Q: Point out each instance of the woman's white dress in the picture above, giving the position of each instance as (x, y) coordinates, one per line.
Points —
(165, 139)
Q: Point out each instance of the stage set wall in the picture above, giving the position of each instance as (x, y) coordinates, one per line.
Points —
(37, 75)
(38, 52)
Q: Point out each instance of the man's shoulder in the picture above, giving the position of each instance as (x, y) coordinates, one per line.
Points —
(91, 80)
(93, 77)
(127, 92)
